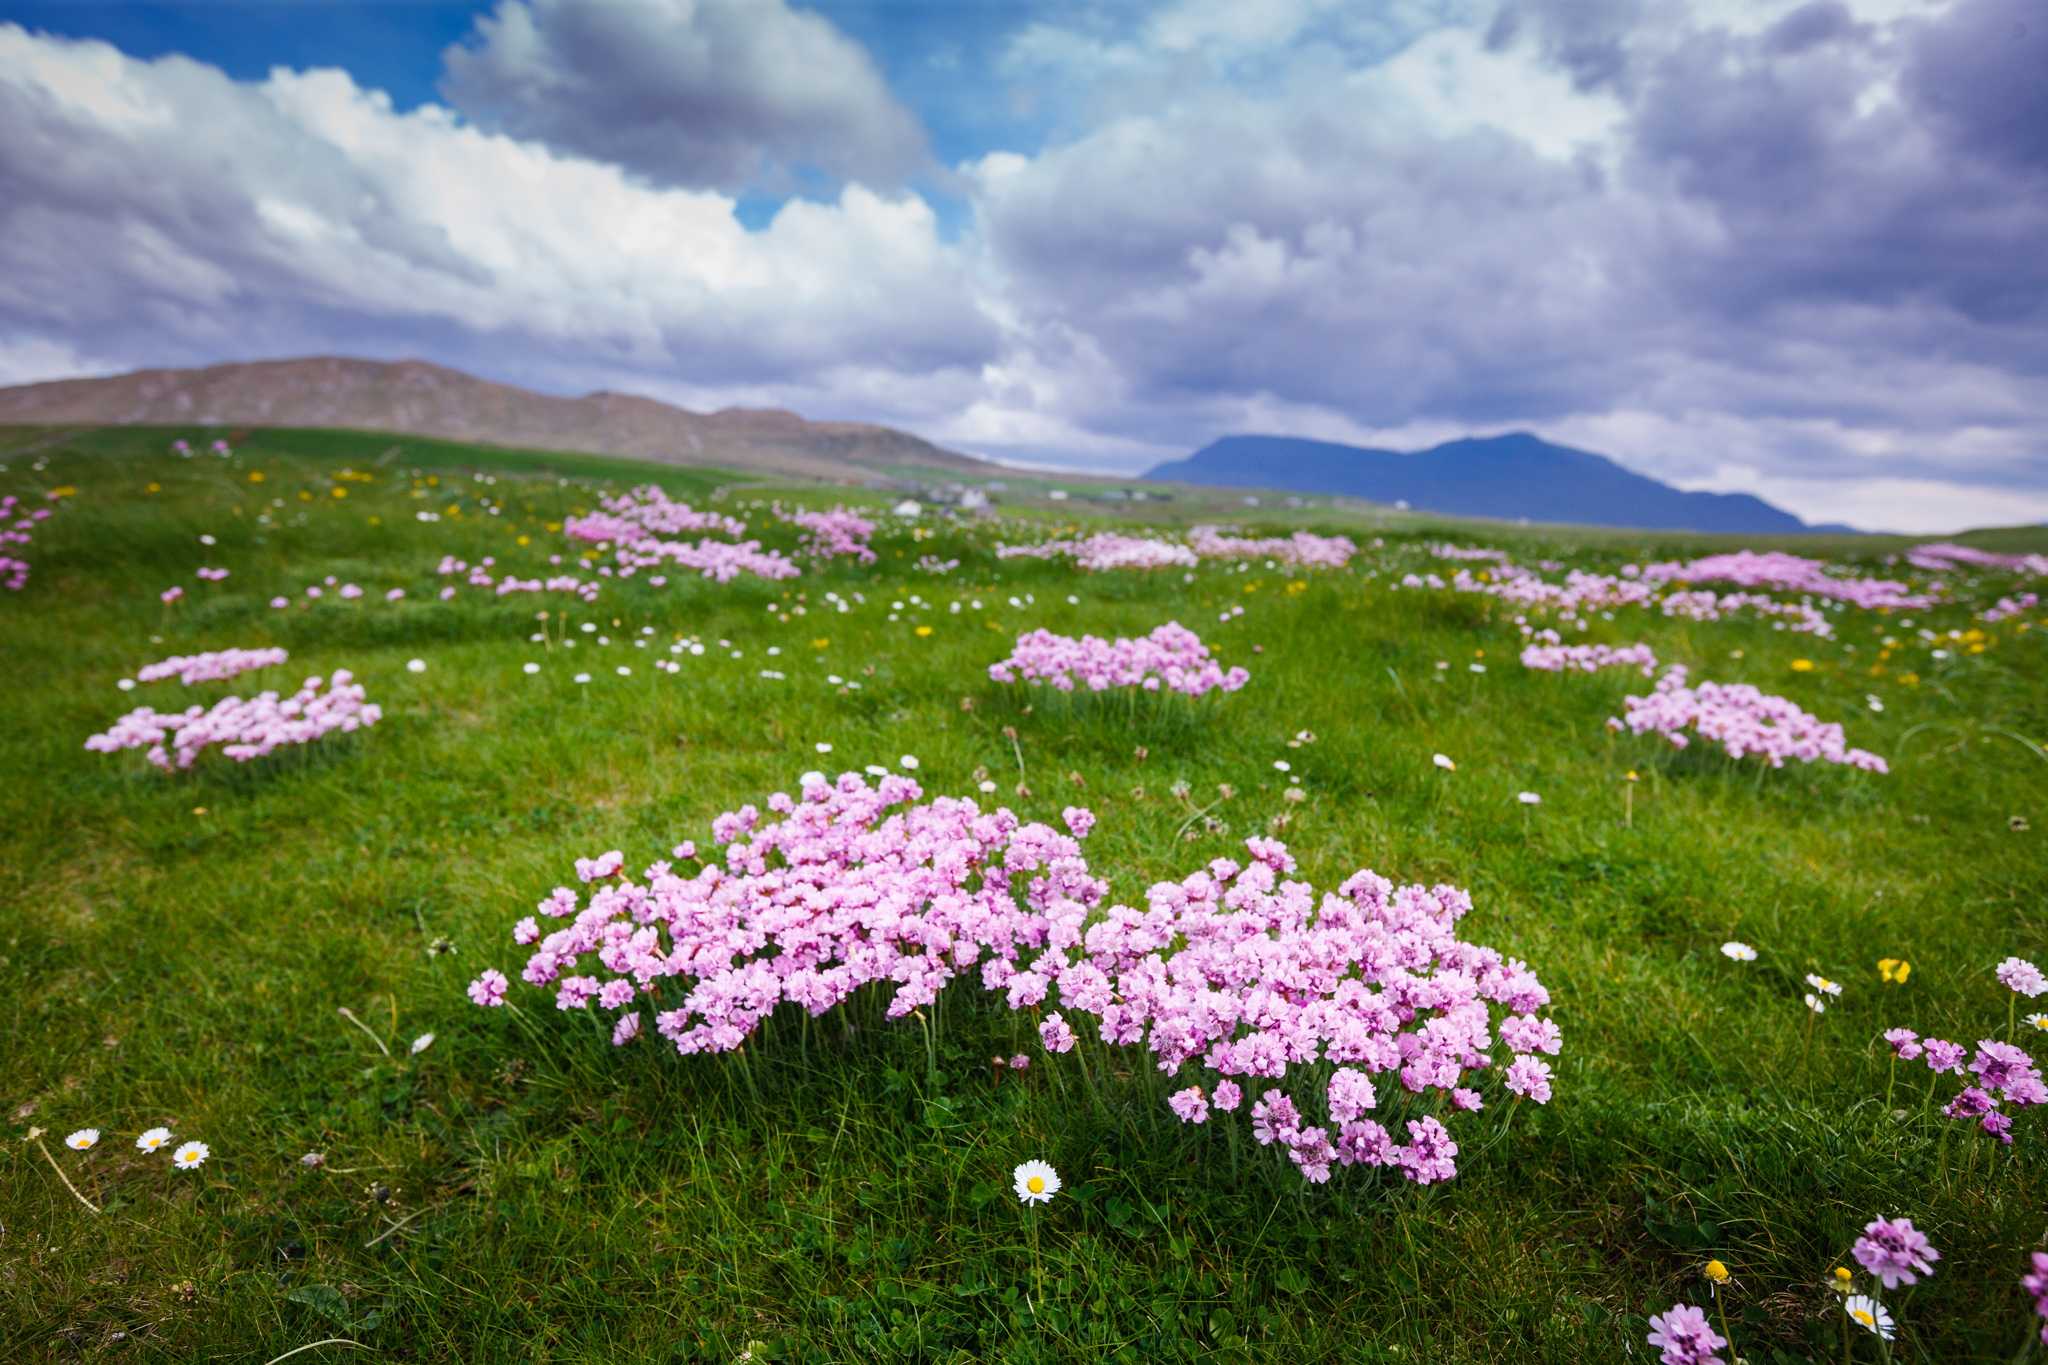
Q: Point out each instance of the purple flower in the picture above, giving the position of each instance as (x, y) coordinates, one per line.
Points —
(1945, 1056)
(1998, 1065)
(1055, 1034)
(2036, 1284)
(1894, 1251)
(1685, 1338)
(1078, 820)
(1189, 1105)
(1274, 1118)
(1310, 1150)
(1228, 1096)
(1019, 1062)
(1427, 1158)
(626, 1029)
(1351, 1094)
(2015, 972)
(1968, 1105)
(1905, 1043)
(1365, 1143)
(1529, 1077)
(489, 989)
(1998, 1125)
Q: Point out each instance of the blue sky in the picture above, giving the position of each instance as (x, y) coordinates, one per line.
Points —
(1787, 247)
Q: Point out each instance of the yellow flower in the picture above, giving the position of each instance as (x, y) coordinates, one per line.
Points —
(1716, 1272)
(924, 630)
(819, 644)
(1894, 969)
(256, 476)
(341, 492)
(1802, 665)
(1842, 1281)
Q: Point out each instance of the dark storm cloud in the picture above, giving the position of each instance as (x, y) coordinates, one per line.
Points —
(701, 93)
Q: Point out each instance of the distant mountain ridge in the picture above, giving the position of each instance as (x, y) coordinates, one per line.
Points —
(1505, 477)
(412, 397)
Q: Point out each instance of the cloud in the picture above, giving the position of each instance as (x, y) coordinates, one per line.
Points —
(721, 94)
(159, 212)
(1779, 247)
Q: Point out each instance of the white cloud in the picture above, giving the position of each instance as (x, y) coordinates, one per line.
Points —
(290, 211)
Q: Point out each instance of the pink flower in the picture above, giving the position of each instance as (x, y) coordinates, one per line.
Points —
(1055, 1034)
(1350, 1094)
(172, 594)
(2015, 972)
(1228, 1096)
(1685, 1338)
(489, 988)
(1078, 820)
(1427, 1158)
(1311, 1152)
(1189, 1105)
(626, 1030)
(1019, 1062)
(1905, 1043)
(1529, 1078)
(1895, 1251)
(1944, 1056)
(2036, 1283)
(1274, 1118)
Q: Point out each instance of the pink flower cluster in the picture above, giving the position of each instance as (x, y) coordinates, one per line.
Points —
(1743, 719)
(1554, 658)
(212, 575)
(2009, 607)
(645, 513)
(1302, 548)
(212, 666)
(837, 532)
(1895, 1251)
(837, 894)
(1108, 550)
(1172, 657)
(1787, 573)
(2036, 1283)
(1471, 552)
(1249, 975)
(2005, 1075)
(244, 729)
(19, 531)
(1943, 556)
(1585, 592)
(713, 559)
(510, 583)
(1230, 967)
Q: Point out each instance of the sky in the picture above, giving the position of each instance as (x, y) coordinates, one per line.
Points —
(1784, 247)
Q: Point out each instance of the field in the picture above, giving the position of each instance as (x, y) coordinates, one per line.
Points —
(177, 948)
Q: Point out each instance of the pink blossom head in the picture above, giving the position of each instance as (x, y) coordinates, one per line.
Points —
(1905, 1043)
(1944, 1056)
(1055, 1034)
(1684, 1337)
(2016, 973)
(1229, 1095)
(1078, 820)
(1189, 1105)
(489, 988)
(1895, 1252)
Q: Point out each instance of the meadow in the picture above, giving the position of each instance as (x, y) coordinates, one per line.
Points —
(245, 953)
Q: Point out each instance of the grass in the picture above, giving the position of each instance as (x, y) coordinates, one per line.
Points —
(175, 951)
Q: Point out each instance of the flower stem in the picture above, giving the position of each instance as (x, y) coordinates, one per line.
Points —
(65, 1178)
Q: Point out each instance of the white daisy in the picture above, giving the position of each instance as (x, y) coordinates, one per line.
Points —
(189, 1156)
(416, 666)
(1741, 952)
(1870, 1314)
(908, 761)
(1036, 1182)
(422, 1043)
(1443, 761)
(82, 1139)
(1529, 798)
(990, 786)
(1816, 1004)
(1823, 985)
(153, 1139)
(531, 668)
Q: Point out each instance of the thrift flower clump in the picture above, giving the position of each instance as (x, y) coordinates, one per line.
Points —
(1743, 719)
(212, 666)
(243, 729)
(1172, 657)
(1895, 1252)
(839, 893)
(1684, 1337)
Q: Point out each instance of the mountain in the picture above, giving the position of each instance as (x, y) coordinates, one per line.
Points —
(1508, 477)
(415, 398)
